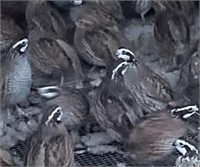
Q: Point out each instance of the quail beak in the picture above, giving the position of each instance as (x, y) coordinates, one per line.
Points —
(174, 144)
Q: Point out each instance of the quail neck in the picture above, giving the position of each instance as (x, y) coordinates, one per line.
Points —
(15, 75)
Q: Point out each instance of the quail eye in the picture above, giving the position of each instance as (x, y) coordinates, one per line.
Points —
(59, 111)
(23, 43)
(190, 109)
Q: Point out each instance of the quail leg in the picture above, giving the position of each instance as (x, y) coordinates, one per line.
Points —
(143, 19)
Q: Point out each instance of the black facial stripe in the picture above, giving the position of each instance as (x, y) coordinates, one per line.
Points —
(129, 54)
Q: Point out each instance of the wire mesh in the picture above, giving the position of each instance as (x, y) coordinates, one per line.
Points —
(108, 159)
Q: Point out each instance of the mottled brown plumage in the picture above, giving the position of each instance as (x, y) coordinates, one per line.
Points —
(186, 8)
(115, 109)
(172, 32)
(97, 32)
(10, 33)
(152, 137)
(95, 45)
(49, 48)
(75, 107)
(51, 145)
(149, 89)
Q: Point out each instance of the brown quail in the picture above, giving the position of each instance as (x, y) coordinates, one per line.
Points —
(49, 50)
(10, 33)
(150, 91)
(51, 145)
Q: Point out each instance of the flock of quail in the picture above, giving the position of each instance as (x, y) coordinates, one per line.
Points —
(67, 65)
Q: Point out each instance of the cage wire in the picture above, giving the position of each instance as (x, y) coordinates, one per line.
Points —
(108, 159)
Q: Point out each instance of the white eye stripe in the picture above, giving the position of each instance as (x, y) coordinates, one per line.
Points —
(25, 40)
(193, 108)
(124, 51)
(182, 149)
(117, 68)
(77, 2)
(52, 114)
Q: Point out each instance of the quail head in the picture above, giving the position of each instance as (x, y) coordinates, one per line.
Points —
(172, 32)
(16, 79)
(75, 107)
(51, 145)
(189, 153)
(150, 91)
(152, 137)
(10, 33)
(189, 114)
(49, 49)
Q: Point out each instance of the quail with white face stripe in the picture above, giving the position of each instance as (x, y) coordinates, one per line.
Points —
(189, 153)
(16, 78)
(152, 137)
(151, 91)
(125, 54)
(186, 112)
(50, 145)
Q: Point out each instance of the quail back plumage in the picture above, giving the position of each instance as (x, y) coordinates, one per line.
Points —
(49, 49)
(152, 137)
(97, 33)
(172, 32)
(10, 33)
(15, 75)
(142, 7)
(115, 109)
